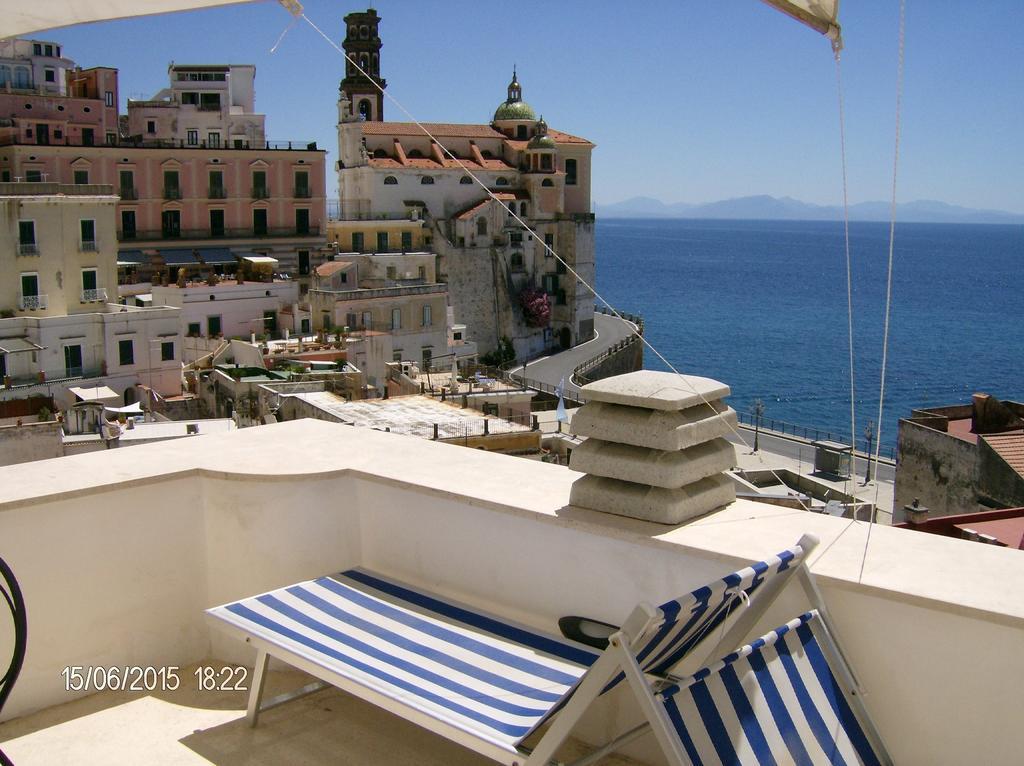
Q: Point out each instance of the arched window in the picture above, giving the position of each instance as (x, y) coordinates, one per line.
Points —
(517, 260)
(545, 162)
(427, 180)
(376, 64)
(502, 181)
(481, 226)
(379, 154)
(5, 74)
(487, 154)
(353, 33)
(415, 154)
(522, 209)
(364, 32)
(21, 77)
(365, 109)
(547, 182)
(465, 180)
(364, 61)
(390, 181)
(521, 132)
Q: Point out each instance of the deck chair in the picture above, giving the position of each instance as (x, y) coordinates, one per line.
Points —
(479, 679)
(781, 699)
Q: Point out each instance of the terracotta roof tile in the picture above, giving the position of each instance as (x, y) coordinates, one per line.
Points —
(473, 209)
(456, 130)
(424, 163)
(438, 129)
(1010, 447)
(331, 267)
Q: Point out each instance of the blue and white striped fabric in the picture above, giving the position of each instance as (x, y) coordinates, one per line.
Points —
(774, 701)
(481, 674)
(688, 620)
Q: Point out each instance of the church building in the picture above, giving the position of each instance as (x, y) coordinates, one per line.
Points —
(470, 194)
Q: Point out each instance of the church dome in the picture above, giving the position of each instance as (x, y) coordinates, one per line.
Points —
(514, 110)
(514, 107)
(541, 140)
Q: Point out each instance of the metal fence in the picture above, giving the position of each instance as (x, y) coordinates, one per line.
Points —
(813, 434)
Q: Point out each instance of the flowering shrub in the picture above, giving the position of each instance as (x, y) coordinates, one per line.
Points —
(536, 307)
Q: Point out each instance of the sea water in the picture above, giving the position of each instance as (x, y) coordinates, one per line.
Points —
(762, 306)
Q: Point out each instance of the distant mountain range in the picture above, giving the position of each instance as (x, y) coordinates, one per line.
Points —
(764, 207)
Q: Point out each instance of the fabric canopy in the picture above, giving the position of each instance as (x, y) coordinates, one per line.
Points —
(94, 393)
(15, 345)
(216, 255)
(822, 15)
(25, 18)
(130, 257)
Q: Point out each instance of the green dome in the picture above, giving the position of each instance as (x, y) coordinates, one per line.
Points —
(541, 142)
(514, 110)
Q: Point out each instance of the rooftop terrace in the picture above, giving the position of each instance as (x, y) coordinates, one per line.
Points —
(119, 553)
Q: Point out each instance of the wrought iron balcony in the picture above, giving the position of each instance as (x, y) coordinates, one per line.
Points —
(217, 192)
(225, 233)
(302, 192)
(93, 296)
(172, 192)
(129, 192)
(88, 246)
(261, 192)
(28, 248)
(31, 302)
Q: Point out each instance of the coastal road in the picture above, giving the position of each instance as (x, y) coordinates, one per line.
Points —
(804, 452)
(609, 330)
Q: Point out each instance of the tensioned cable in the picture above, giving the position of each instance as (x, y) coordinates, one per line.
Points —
(851, 481)
(526, 226)
(888, 287)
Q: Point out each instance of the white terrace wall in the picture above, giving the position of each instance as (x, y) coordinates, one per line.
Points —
(120, 574)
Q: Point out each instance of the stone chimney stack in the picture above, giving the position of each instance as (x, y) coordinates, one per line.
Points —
(654, 448)
(915, 513)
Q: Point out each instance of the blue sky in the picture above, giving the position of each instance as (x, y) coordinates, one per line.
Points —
(686, 101)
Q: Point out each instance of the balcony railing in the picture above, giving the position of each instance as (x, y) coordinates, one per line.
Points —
(31, 302)
(217, 192)
(127, 234)
(92, 296)
(172, 193)
(302, 192)
(261, 192)
(164, 143)
(88, 246)
(28, 248)
(129, 192)
(226, 233)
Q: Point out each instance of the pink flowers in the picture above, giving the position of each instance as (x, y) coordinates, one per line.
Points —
(536, 307)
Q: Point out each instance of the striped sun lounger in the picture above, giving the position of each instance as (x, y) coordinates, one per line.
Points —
(776, 700)
(476, 678)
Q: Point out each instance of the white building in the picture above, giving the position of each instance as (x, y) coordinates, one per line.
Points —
(397, 294)
(208, 105)
(233, 309)
(33, 65)
(57, 272)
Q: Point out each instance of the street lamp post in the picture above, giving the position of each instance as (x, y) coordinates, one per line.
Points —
(869, 437)
(757, 410)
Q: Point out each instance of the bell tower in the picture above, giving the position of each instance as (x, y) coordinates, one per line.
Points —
(362, 45)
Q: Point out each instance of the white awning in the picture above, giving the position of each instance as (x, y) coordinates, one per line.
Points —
(131, 409)
(16, 345)
(260, 259)
(94, 393)
(25, 18)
